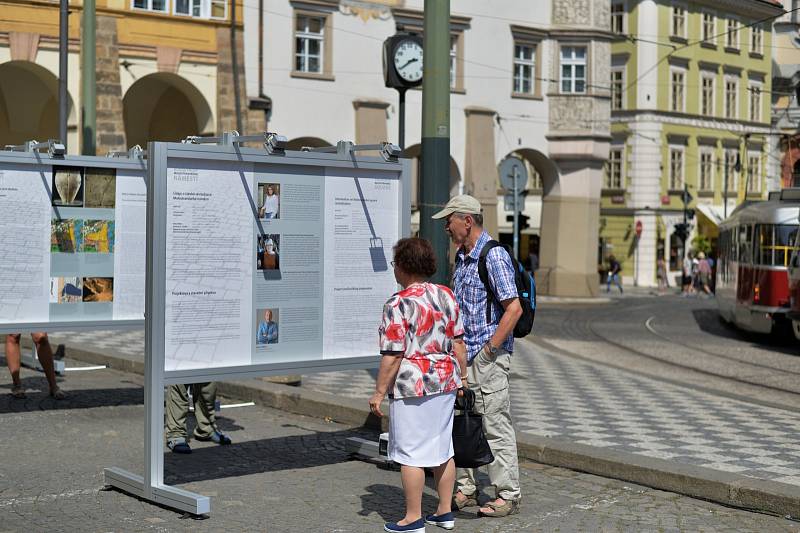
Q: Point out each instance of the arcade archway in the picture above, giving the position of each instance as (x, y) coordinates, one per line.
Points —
(165, 107)
(29, 104)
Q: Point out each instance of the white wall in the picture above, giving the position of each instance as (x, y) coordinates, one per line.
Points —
(324, 109)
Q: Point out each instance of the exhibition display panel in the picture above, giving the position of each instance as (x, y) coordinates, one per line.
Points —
(261, 263)
(72, 252)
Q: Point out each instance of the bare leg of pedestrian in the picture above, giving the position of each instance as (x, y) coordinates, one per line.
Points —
(12, 360)
(413, 479)
(444, 477)
(45, 353)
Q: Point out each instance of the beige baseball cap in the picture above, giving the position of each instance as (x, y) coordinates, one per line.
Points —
(463, 203)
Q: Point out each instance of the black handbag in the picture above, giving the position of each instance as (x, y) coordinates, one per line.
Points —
(469, 442)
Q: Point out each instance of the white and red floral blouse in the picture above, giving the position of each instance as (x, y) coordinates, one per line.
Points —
(419, 324)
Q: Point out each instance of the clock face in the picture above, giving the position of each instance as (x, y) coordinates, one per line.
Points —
(408, 61)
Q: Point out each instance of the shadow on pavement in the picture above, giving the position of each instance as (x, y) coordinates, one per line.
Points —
(709, 321)
(257, 456)
(39, 400)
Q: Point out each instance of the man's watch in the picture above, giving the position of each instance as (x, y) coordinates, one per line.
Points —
(491, 350)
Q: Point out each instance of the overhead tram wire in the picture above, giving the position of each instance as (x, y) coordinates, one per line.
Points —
(707, 39)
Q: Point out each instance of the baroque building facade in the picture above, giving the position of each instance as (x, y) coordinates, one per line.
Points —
(163, 71)
(690, 98)
(785, 168)
(524, 82)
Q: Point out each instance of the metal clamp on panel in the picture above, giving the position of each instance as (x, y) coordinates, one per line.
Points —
(390, 152)
(273, 143)
(135, 152)
(55, 148)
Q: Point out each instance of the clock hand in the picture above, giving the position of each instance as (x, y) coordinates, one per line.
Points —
(408, 63)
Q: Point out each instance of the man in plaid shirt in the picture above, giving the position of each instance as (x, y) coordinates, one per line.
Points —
(489, 348)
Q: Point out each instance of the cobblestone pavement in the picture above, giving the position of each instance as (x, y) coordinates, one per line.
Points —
(284, 473)
(569, 398)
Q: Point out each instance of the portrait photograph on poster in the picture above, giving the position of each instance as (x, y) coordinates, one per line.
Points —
(267, 326)
(101, 187)
(63, 236)
(269, 201)
(68, 187)
(66, 290)
(97, 236)
(98, 289)
(268, 252)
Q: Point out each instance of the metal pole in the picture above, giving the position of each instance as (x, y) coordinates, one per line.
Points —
(402, 118)
(725, 190)
(88, 84)
(63, 51)
(685, 223)
(435, 181)
(516, 213)
(235, 69)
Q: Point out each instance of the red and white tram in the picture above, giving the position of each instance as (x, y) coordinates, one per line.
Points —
(756, 244)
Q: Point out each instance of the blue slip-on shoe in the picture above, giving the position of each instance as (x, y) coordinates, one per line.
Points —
(446, 520)
(178, 445)
(414, 527)
(218, 437)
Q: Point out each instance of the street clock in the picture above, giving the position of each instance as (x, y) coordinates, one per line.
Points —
(402, 61)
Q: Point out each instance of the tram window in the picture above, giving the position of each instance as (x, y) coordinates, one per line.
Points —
(766, 244)
(785, 243)
(745, 244)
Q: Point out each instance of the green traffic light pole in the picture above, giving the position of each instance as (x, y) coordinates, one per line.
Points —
(435, 179)
(88, 83)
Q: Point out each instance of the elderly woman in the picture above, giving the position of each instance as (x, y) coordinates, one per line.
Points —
(423, 365)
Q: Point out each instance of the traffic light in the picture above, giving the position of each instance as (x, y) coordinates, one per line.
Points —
(682, 231)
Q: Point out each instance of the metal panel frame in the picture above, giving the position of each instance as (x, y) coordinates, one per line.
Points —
(151, 486)
(38, 159)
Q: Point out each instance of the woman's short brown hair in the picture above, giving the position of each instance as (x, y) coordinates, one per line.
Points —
(415, 256)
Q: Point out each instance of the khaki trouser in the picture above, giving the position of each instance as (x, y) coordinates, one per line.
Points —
(204, 396)
(489, 379)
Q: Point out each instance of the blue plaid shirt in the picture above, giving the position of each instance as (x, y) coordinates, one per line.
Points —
(471, 294)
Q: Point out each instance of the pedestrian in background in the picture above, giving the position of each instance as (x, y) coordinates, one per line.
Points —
(177, 411)
(704, 273)
(489, 343)
(45, 354)
(661, 275)
(686, 281)
(423, 363)
(614, 268)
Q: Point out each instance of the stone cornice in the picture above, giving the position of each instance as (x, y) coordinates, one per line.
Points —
(756, 8)
(528, 32)
(679, 119)
(599, 34)
(416, 19)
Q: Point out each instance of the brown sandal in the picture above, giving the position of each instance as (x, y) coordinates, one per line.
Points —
(508, 508)
(468, 501)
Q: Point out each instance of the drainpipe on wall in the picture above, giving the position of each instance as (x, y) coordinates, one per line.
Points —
(63, 50)
(88, 80)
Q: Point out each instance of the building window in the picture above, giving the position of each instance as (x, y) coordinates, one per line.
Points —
(677, 90)
(707, 96)
(753, 173)
(573, 69)
(618, 17)
(524, 68)
(216, 9)
(730, 176)
(731, 89)
(617, 86)
(756, 39)
(614, 176)
(309, 41)
(706, 171)
(678, 21)
(151, 5)
(453, 61)
(755, 103)
(675, 169)
(709, 28)
(732, 35)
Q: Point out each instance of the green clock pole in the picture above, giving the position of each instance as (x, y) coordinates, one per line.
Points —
(435, 179)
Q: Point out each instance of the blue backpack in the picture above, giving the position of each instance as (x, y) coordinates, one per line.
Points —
(526, 290)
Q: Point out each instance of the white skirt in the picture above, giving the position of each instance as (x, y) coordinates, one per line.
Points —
(421, 430)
